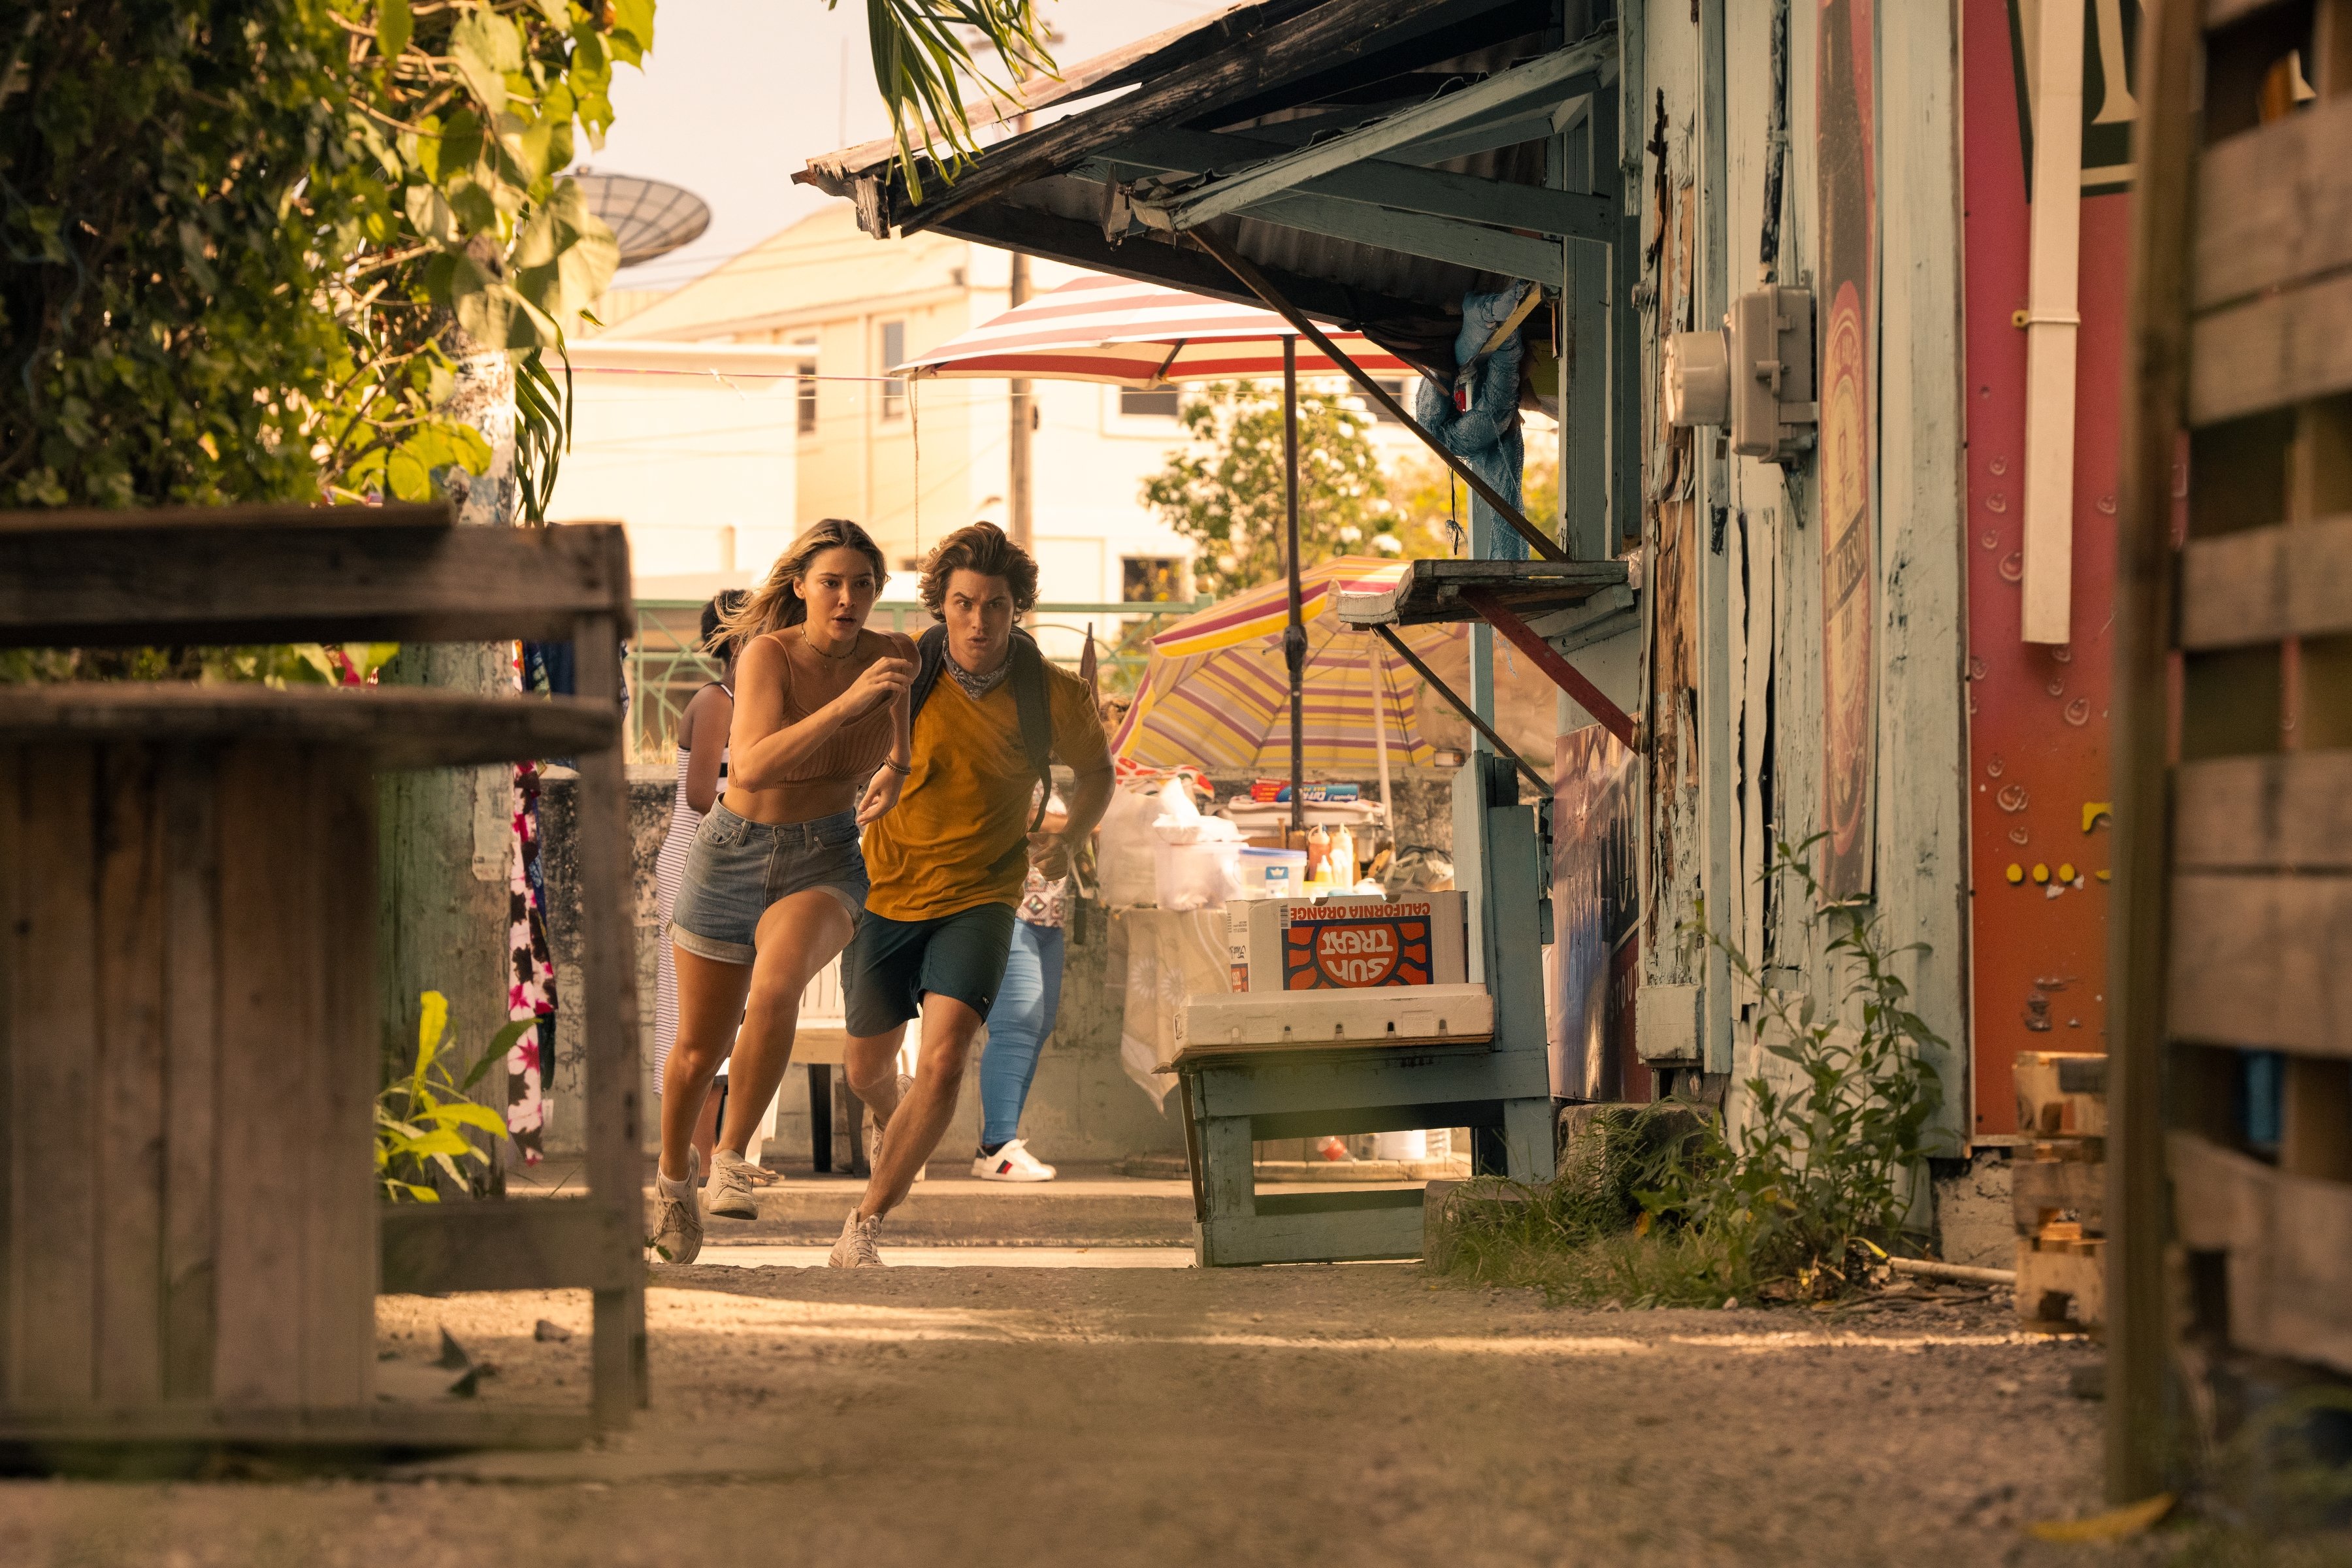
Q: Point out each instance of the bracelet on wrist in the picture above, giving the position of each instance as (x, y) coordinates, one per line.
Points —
(896, 768)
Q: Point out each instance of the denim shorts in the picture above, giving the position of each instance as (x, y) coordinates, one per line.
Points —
(736, 868)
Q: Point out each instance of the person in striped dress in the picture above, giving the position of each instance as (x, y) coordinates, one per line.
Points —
(701, 775)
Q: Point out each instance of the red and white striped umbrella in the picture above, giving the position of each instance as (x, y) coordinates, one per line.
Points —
(1138, 335)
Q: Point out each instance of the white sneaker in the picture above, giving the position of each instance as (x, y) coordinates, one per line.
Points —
(732, 1177)
(874, 1131)
(1013, 1162)
(677, 1227)
(855, 1248)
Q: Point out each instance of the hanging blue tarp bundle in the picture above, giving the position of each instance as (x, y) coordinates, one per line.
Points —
(1478, 420)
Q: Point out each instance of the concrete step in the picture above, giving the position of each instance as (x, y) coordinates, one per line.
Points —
(953, 1207)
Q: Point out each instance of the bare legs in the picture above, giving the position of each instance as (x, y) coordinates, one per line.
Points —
(912, 1127)
(709, 999)
(798, 936)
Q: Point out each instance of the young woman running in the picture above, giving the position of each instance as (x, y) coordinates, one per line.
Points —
(774, 883)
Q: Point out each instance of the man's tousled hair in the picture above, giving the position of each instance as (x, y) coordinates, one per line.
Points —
(985, 548)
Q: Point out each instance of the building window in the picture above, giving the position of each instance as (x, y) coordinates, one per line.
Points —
(1396, 386)
(1163, 403)
(1148, 579)
(893, 349)
(804, 399)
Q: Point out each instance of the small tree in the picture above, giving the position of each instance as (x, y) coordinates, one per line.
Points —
(1225, 494)
(1427, 495)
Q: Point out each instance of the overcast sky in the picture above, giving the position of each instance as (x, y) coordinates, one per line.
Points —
(738, 94)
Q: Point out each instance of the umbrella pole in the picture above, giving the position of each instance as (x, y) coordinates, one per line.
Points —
(1381, 741)
(1294, 637)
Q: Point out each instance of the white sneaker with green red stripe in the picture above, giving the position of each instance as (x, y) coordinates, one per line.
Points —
(1011, 1162)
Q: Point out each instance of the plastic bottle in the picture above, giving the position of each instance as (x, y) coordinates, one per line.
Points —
(1318, 854)
(1343, 858)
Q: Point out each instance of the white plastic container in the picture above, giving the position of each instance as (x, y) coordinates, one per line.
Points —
(1272, 873)
(1195, 876)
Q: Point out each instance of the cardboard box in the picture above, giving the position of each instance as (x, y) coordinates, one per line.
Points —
(1371, 1016)
(1353, 942)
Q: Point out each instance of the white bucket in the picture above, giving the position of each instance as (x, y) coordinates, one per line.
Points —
(1272, 873)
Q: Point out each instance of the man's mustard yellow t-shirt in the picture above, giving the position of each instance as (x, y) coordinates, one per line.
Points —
(959, 837)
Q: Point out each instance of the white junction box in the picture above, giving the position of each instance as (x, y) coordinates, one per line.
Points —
(1370, 1017)
(1355, 942)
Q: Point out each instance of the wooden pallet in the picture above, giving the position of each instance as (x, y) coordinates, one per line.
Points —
(191, 1243)
(2233, 929)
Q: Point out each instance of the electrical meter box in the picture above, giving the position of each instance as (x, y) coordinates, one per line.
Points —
(1754, 379)
(1353, 942)
(1774, 409)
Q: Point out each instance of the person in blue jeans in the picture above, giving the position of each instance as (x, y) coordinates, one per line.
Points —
(1021, 1018)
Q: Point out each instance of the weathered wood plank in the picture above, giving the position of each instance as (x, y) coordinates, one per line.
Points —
(129, 1108)
(2289, 1241)
(330, 583)
(2309, 1279)
(13, 762)
(2316, 1136)
(191, 1016)
(2040, 1190)
(2060, 1286)
(2261, 961)
(2273, 207)
(512, 1243)
(2290, 812)
(398, 727)
(53, 1224)
(394, 1427)
(609, 1026)
(1389, 1232)
(1312, 1085)
(1228, 1179)
(2266, 583)
(338, 1203)
(2046, 1106)
(2270, 351)
(263, 514)
(268, 1109)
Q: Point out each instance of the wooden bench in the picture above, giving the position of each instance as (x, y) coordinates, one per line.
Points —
(189, 1009)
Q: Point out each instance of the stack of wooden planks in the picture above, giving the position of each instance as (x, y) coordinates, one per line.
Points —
(2059, 1191)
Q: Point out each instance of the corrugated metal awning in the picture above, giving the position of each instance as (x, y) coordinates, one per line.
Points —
(1247, 89)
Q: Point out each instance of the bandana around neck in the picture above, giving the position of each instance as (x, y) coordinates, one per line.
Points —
(979, 686)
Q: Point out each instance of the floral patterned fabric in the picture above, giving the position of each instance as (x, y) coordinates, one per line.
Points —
(1043, 903)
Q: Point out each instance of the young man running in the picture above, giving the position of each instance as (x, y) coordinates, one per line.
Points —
(947, 867)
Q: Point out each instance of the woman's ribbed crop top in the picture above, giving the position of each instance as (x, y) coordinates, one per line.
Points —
(852, 752)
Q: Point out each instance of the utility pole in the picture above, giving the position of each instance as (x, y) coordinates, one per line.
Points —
(1021, 421)
(1020, 494)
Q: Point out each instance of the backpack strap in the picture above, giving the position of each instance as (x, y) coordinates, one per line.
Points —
(930, 656)
(1029, 696)
(1036, 717)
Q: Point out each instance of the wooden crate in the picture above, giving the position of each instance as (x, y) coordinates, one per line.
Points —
(191, 1240)
(2233, 931)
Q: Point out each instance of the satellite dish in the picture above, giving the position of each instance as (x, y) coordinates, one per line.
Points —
(649, 217)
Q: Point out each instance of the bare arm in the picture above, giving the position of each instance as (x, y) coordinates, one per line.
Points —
(1089, 795)
(708, 720)
(763, 748)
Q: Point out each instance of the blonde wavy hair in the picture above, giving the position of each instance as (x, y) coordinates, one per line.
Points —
(777, 603)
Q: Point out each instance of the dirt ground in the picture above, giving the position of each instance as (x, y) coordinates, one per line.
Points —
(1359, 1414)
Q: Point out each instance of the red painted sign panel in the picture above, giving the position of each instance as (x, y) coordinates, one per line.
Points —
(2038, 714)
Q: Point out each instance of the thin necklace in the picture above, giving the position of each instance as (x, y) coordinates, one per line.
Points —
(809, 642)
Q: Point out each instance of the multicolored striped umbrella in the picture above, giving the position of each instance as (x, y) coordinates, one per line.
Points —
(1137, 336)
(1215, 692)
